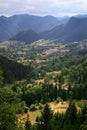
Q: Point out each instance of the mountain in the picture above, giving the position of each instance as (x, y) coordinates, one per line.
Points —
(28, 36)
(81, 16)
(74, 30)
(64, 19)
(10, 26)
(30, 28)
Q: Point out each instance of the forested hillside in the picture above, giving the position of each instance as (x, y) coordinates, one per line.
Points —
(33, 76)
(74, 30)
(13, 71)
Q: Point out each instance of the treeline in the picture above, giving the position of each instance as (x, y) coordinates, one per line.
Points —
(12, 70)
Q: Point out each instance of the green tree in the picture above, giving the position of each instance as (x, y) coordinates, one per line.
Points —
(58, 121)
(70, 116)
(46, 117)
(82, 121)
(8, 120)
(8, 96)
(1, 77)
(83, 126)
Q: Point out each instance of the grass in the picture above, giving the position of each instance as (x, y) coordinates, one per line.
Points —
(59, 107)
(33, 115)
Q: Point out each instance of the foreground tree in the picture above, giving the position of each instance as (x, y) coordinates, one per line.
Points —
(83, 118)
(70, 116)
(7, 117)
(46, 117)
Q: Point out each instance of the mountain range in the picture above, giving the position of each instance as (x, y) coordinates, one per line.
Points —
(74, 30)
(10, 26)
(30, 28)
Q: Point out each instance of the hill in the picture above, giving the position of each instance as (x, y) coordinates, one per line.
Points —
(10, 26)
(74, 30)
(28, 36)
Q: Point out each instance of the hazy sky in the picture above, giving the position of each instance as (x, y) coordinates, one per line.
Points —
(43, 7)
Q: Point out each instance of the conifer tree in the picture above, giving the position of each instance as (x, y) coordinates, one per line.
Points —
(83, 118)
(71, 113)
(46, 117)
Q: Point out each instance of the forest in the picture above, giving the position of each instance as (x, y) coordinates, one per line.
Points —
(53, 75)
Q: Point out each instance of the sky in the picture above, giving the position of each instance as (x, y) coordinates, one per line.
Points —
(57, 8)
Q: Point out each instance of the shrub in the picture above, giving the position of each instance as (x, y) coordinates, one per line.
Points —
(33, 107)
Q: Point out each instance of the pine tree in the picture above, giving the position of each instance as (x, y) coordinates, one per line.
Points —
(83, 118)
(71, 113)
(58, 121)
(46, 117)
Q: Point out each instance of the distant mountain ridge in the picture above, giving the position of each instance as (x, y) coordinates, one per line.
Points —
(12, 25)
(30, 28)
(74, 30)
(81, 16)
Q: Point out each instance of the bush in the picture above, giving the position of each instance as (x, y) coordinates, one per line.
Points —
(33, 107)
(40, 107)
(59, 99)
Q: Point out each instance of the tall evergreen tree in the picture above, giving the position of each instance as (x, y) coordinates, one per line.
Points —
(70, 116)
(83, 118)
(46, 117)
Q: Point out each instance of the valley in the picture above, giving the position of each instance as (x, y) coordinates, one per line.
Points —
(38, 52)
(43, 73)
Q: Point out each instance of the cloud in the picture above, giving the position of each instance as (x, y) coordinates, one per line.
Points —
(43, 7)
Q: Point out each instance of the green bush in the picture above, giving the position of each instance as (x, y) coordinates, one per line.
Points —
(40, 107)
(33, 107)
(59, 99)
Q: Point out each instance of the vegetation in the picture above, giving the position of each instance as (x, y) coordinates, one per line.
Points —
(47, 72)
(13, 71)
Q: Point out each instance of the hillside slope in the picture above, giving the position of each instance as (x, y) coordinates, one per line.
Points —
(12, 70)
(28, 36)
(74, 30)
